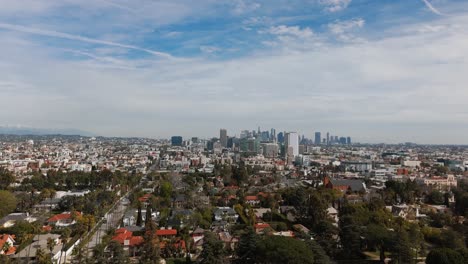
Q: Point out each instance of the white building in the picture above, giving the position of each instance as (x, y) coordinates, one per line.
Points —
(291, 143)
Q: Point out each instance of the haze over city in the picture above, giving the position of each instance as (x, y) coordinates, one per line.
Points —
(379, 71)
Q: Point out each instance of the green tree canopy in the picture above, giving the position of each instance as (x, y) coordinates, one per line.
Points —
(7, 204)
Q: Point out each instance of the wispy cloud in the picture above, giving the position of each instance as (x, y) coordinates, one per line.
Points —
(55, 34)
(335, 5)
(432, 8)
(343, 30)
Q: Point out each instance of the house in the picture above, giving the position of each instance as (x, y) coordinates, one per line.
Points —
(180, 201)
(333, 214)
(64, 219)
(28, 254)
(6, 244)
(166, 233)
(230, 242)
(301, 228)
(345, 185)
(439, 182)
(284, 233)
(11, 219)
(127, 239)
(129, 218)
(261, 228)
(252, 200)
(225, 213)
(47, 205)
(259, 212)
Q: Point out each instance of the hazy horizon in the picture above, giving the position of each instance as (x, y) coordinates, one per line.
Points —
(378, 71)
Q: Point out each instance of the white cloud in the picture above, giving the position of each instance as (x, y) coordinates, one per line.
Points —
(344, 30)
(335, 5)
(242, 6)
(295, 31)
(209, 49)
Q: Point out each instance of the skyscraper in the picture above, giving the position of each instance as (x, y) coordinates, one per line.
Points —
(273, 135)
(176, 141)
(348, 140)
(328, 138)
(291, 143)
(318, 138)
(280, 137)
(223, 137)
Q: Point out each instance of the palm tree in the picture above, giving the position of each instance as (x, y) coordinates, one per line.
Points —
(64, 238)
(50, 245)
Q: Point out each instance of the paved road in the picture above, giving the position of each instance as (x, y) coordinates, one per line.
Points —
(111, 220)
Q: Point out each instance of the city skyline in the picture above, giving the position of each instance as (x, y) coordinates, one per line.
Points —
(378, 71)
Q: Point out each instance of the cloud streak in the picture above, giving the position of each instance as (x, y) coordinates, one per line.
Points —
(432, 8)
(56, 34)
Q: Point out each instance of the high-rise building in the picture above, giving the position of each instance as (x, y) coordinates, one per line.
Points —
(280, 137)
(273, 135)
(348, 140)
(176, 141)
(291, 143)
(328, 138)
(223, 137)
(318, 138)
(342, 140)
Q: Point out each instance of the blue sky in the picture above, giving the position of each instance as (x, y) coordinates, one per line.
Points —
(379, 71)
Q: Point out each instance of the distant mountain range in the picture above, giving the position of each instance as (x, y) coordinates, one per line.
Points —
(11, 130)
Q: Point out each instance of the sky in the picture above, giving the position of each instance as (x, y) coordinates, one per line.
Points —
(376, 70)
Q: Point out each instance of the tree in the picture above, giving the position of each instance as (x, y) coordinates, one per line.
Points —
(139, 220)
(148, 215)
(8, 203)
(378, 237)
(166, 189)
(6, 178)
(320, 256)
(42, 257)
(247, 246)
(117, 253)
(50, 244)
(213, 251)
(403, 248)
(150, 249)
(278, 250)
(436, 197)
(444, 256)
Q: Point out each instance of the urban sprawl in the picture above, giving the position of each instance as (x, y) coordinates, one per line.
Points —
(262, 197)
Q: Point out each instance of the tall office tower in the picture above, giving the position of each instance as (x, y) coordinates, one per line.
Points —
(328, 138)
(336, 139)
(176, 141)
(318, 138)
(291, 143)
(273, 135)
(195, 140)
(342, 140)
(244, 134)
(348, 140)
(264, 136)
(280, 137)
(223, 137)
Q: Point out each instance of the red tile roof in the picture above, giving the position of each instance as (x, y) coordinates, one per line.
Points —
(261, 226)
(122, 235)
(251, 198)
(62, 216)
(166, 232)
(3, 239)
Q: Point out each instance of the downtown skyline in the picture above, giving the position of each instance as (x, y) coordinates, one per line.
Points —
(378, 71)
